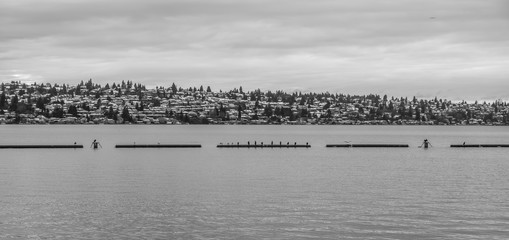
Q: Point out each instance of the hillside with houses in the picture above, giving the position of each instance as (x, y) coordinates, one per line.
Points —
(131, 103)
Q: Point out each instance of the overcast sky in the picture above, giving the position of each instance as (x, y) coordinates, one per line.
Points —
(455, 49)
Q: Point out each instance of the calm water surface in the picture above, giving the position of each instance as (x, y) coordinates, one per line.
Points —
(211, 193)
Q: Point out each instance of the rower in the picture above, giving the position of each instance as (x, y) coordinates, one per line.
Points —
(426, 143)
(96, 144)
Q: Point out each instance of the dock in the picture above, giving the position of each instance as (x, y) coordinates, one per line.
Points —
(264, 146)
(158, 146)
(368, 145)
(42, 146)
(478, 145)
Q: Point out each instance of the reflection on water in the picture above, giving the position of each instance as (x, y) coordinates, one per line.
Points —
(209, 193)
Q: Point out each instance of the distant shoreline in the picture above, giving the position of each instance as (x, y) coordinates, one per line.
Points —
(131, 103)
(243, 124)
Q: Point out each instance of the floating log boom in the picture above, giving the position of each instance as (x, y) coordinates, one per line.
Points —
(478, 145)
(42, 146)
(369, 145)
(158, 146)
(264, 146)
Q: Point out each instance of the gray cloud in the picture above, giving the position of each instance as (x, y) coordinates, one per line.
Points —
(456, 49)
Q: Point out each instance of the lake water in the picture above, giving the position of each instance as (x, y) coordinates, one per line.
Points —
(214, 193)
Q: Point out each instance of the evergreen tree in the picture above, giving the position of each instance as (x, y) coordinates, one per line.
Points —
(156, 102)
(73, 110)
(58, 112)
(304, 112)
(255, 116)
(14, 103)
(328, 114)
(402, 111)
(278, 111)
(89, 85)
(326, 106)
(115, 116)
(268, 111)
(125, 115)
(110, 113)
(53, 91)
(302, 101)
(98, 104)
(3, 100)
(85, 107)
(40, 103)
(173, 88)
(291, 100)
(410, 113)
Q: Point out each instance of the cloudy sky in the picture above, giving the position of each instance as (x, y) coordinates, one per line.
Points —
(455, 49)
